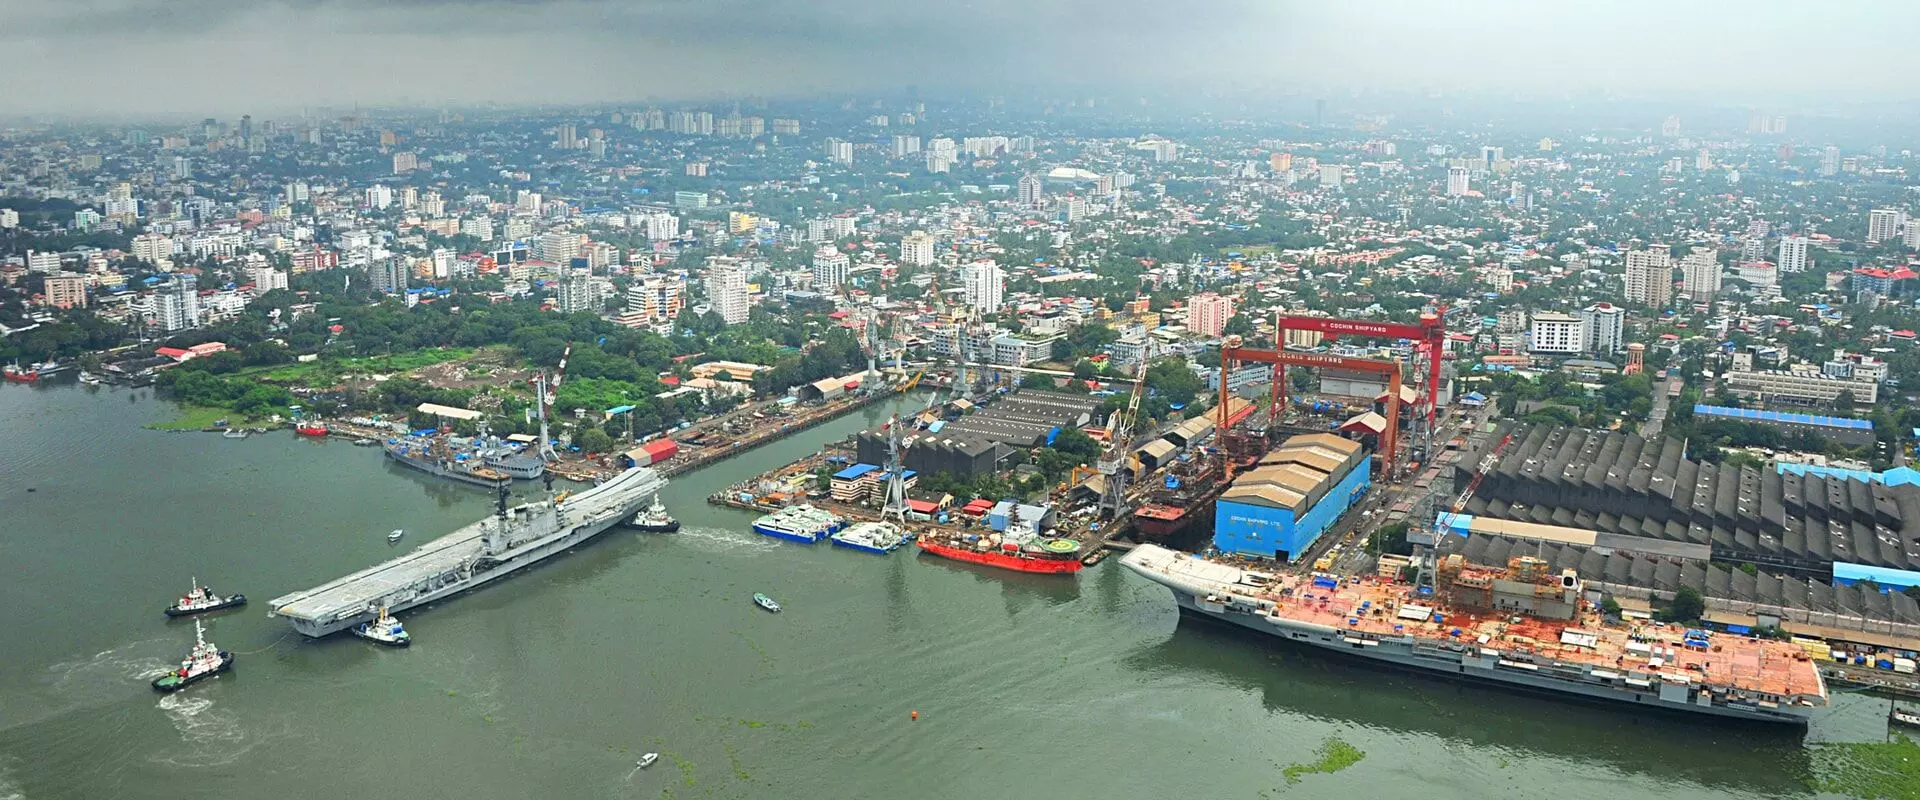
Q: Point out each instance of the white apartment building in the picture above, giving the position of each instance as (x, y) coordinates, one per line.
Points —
(1793, 254)
(1700, 274)
(1884, 224)
(1804, 384)
(830, 268)
(985, 285)
(916, 249)
(1554, 333)
(1458, 181)
(1605, 326)
(727, 289)
(1650, 276)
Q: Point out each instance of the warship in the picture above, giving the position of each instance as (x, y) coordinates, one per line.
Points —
(486, 550)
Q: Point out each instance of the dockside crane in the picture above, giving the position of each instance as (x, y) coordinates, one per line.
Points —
(896, 505)
(544, 392)
(1113, 459)
(1425, 535)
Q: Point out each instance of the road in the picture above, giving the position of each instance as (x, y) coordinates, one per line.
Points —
(1658, 416)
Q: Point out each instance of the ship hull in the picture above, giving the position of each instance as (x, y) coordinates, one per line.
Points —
(22, 377)
(438, 471)
(790, 536)
(464, 560)
(1466, 667)
(1043, 566)
(656, 527)
(864, 548)
(479, 579)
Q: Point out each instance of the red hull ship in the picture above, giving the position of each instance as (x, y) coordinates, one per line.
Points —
(1013, 560)
(311, 429)
(1174, 510)
(17, 375)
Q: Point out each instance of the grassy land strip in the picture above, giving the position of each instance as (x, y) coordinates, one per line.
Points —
(192, 418)
(388, 364)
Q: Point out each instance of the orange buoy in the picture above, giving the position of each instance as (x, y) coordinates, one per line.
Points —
(916, 716)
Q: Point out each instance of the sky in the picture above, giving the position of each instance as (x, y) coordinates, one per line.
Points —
(215, 57)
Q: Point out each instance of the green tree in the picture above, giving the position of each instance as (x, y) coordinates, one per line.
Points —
(1389, 539)
(594, 440)
(1687, 606)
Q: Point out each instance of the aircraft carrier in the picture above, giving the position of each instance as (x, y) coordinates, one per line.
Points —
(1522, 626)
(484, 551)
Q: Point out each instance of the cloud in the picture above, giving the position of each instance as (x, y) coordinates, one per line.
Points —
(214, 56)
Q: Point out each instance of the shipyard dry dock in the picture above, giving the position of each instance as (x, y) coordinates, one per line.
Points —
(476, 554)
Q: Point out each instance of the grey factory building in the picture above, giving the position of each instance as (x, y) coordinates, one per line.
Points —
(1618, 484)
(979, 441)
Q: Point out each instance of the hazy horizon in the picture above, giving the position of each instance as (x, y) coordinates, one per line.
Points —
(120, 58)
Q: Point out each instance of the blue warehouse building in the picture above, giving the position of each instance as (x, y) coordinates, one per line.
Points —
(1280, 507)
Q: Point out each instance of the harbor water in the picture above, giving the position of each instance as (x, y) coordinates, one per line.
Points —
(552, 683)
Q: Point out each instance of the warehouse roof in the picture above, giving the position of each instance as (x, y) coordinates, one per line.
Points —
(1847, 423)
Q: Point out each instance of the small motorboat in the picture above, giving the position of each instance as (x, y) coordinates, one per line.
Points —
(646, 761)
(1900, 716)
(395, 535)
(385, 630)
(90, 379)
(201, 599)
(766, 602)
(203, 660)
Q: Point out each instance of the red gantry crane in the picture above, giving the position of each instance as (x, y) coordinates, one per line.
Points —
(1233, 354)
(1429, 339)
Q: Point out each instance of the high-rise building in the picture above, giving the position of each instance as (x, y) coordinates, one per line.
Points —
(566, 138)
(916, 249)
(905, 145)
(1793, 254)
(266, 278)
(662, 225)
(1331, 175)
(176, 307)
(657, 298)
(1650, 276)
(985, 284)
(830, 268)
(559, 247)
(9, 218)
(480, 227)
(1911, 238)
(1829, 161)
(1029, 186)
(575, 294)
(1207, 314)
(1457, 181)
(1490, 155)
(1603, 325)
(43, 261)
(405, 162)
(432, 204)
(727, 289)
(1883, 224)
(839, 152)
(379, 197)
(442, 260)
(388, 275)
(67, 290)
(1700, 274)
(1557, 333)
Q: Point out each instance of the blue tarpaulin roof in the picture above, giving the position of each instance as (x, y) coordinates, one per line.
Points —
(619, 410)
(1887, 577)
(855, 471)
(1783, 416)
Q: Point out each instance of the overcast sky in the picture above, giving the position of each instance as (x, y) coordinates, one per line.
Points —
(263, 56)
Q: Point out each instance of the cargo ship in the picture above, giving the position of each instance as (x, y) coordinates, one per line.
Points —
(1049, 557)
(1521, 626)
(801, 523)
(484, 551)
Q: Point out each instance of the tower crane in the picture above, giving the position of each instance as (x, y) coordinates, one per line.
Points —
(896, 505)
(1426, 542)
(1120, 425)
(544, 392)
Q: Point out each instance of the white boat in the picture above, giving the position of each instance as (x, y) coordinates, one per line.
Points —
(395, 535)
(90, 379)
(385, 630)
(203, 660)
(234, 433)
(201, 599)
(646, 760)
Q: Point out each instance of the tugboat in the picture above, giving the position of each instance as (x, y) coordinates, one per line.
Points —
(13, 372)
(201, 599)
(314, 428)
(385, 630)
(766, 602)
(203, 660)
(655, 519)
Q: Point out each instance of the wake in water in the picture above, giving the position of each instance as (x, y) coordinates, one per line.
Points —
(109, 672)
(722, 540)
(211, 736)
(9, 790)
